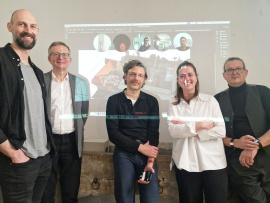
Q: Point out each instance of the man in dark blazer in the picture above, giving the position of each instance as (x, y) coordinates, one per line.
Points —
(246, 111)
(68, 102)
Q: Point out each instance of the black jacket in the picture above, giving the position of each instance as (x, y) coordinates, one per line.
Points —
(257, 108)
(12, 99)
(127, 123)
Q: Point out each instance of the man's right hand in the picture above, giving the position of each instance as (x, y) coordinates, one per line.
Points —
(19, 157)
(148, 150)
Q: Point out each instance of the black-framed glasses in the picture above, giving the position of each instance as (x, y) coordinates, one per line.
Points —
(64, 55)
(231, 70)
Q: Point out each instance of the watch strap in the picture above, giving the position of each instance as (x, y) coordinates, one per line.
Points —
(231, 143)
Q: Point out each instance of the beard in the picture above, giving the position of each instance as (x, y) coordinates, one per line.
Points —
(23, 44)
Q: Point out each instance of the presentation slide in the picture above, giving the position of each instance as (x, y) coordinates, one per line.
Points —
(101, 50)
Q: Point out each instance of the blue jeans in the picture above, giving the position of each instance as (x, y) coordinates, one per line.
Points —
(127, 169)
(24, 182)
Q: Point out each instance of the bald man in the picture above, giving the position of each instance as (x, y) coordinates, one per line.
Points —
(25, 130)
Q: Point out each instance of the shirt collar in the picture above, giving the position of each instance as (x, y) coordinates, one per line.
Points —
(239, 89)
(202, 97)
(198, 97)
(124, 98)
(15, 56)
(55, 78)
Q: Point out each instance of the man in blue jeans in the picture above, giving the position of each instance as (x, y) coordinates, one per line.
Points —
(132, 119)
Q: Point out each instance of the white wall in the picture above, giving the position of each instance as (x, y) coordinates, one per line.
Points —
(249, 33)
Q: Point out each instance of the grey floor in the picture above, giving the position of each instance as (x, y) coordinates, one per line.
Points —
(110, 199)
(107, 199)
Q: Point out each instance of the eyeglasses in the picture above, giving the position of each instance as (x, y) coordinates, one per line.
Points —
(64, 55)
(231, 70)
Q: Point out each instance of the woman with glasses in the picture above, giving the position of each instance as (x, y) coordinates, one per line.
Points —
(197, 126)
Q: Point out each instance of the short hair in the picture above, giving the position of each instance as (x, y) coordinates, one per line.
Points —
(179, 91)
(56, 44)
(132, 63)
(146, 38)
(234, 59)
(183, 38)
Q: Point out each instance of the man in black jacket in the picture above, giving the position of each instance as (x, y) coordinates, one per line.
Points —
(132, 119)
(246, 111)
(145, 45)
(25, 130)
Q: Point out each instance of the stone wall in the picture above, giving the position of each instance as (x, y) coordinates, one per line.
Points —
(97, 177)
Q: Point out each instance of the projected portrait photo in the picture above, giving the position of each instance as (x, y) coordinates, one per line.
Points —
(182, 41)
(121, 43)
(141, 42)
(102, 42)
(162, 42)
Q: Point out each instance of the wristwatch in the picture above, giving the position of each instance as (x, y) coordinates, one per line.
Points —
(231, 143)
(260, 144)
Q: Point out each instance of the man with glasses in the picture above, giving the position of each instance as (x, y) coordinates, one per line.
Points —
(145, 45)
(132, 119)
(246, 111)
(67, 101)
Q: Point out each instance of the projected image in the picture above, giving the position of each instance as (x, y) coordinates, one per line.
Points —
(141, 42)
(156, 46)
(121, 43)
(162, 42)
(107, 75)
(102, 42)
(182, 41)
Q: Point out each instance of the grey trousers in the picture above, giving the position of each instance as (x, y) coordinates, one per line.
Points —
(251, 184)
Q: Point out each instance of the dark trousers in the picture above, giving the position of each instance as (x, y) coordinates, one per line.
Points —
(25, 182)
(192, 186)
(127, 169)
(68, 165)
(251, 184)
